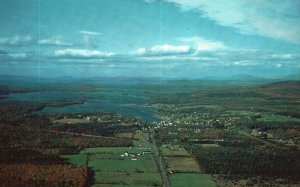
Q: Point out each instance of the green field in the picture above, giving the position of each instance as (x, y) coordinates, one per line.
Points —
(125, 135)
(142, 179)
(71, 121)
(173, 150)
(240, 112)
(191, 180)
(79, 159)
(140, 140)
(114, 150)
(119, 166)
(145, 164)
(118, 185)
(277, 118)
(182, 164)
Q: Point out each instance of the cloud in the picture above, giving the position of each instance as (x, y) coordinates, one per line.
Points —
(192, 46)
(16, 40)
(282, 56)
(149, 1)
(274, 19)
(88, 38)
(193, 49)
(54, 41)
(80, 54)
(176, 58)
(13, 56)
(19, 56)
(91, 33)
(244, 63)
(163, 50)
(201, 44)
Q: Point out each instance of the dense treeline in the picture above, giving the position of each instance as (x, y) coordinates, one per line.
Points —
(43, 175)
(31, 145)
(27, 156)
(264, 126)
(294, 114)
(89, 128)
(248, 161)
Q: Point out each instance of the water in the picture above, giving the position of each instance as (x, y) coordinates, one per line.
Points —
(121, 100)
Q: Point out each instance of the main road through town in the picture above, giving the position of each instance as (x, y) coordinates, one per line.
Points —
(159, 161)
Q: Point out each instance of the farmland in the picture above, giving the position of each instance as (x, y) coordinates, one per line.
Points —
(219, 135)
(132, 166)
(240, 136)
(148, 93)
(182, 164)
(178, 180)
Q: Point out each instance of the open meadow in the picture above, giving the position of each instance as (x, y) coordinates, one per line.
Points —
(133, 166)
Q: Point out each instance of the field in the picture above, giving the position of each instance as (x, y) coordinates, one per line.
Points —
(277, 118)
(124, 178)
(143, 165)
(250, 134)
(219, 134)
(182, 165)
(134, 166)
(183, 169)
(125, 135)
(71, 121)
(173, 150)
(191, 180)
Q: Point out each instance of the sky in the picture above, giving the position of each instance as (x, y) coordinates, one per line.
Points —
(150, 38)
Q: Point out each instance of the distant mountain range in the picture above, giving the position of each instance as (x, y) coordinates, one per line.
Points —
(135, 80)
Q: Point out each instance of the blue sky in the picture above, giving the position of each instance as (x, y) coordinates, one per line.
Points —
(149, 38)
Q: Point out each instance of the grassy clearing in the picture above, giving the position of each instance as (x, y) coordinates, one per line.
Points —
(123, 178)
(114, 150)
(191, 180)
(173, 150)
(113, 169)
(71, 121)
(145, 164)
(121, 166)
(199, 106)
(78, 160)
(118, 185)
(125, 135)
(140, 140)
(141, 136)
(104, 156)
(109, 159)
(182, 164)
(277, 118)
(241, 112)
(141, 144)
(138, 135)
(209, 145)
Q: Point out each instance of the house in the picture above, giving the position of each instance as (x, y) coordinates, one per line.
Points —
(146, 152)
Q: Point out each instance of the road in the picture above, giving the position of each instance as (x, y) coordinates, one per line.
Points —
(160, 162)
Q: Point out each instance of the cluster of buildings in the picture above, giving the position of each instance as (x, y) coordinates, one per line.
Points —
(134, 156)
